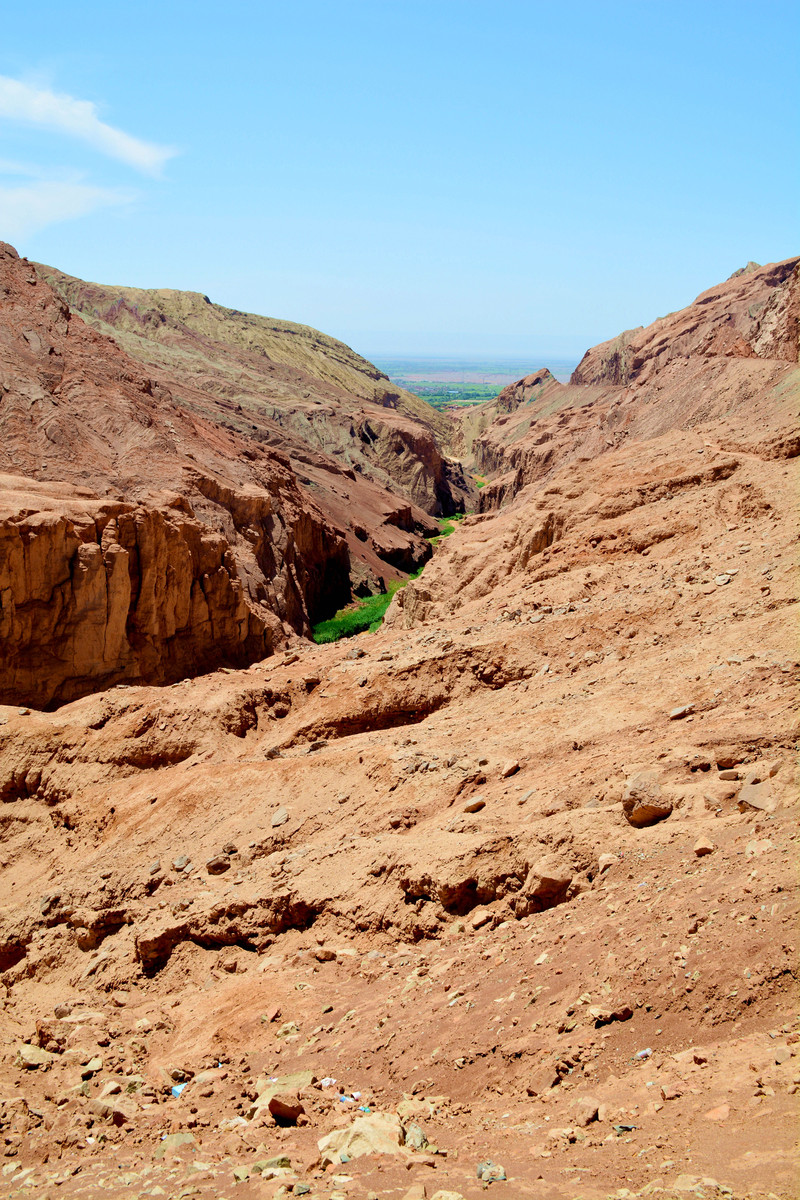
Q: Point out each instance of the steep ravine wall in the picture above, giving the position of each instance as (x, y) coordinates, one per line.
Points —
(98, 592)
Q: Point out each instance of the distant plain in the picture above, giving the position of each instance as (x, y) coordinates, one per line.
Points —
(444, 381)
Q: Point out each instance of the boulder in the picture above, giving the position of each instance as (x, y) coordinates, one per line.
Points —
(757, 795)
(373, 1133)
(286, 1086)
(33, 1057)
(286, 1107)
(547, 883)
(218, 864)
(110, 1108)
(643, 800)
(587, 1110)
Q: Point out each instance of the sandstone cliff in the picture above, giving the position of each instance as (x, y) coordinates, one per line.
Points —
(197, 513)
(96, 591)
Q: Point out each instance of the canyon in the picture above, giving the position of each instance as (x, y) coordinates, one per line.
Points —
(501, 897)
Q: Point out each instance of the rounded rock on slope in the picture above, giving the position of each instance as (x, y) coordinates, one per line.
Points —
(218, 864)
(643, 800)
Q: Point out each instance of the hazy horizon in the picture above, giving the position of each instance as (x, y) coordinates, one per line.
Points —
(489, 369)
(388, 174)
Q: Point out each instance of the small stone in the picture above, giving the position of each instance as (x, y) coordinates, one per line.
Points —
(721, 580)
(415, 1138)
(181, 862)
(113, 1110)
(154, 867)
(417, 1191)
(721, 1113)
(229, 848)
(279, 817)
(683, 710)
(280, 1162)
(480, 918)
(605, 862)
(671, 1091)
(490, 1172)
(218, 864)
(92, 1067)
(703, 846)
(473, 806)
(508, 769)
(173, 1142)
(729, 773)
(605, 1016)
(286, 1107)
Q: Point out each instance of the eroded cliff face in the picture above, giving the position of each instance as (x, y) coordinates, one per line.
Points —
(94, 592)
(730, 358)
(754, 314)
(285, 385)
(224, 555)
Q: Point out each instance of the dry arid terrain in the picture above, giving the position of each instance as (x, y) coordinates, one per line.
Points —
(501, 897)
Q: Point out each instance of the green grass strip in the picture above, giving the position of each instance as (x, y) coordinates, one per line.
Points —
(367, 615)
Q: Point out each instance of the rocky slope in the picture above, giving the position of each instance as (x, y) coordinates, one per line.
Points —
(224, 532)
(342, 423)
(729, 359)
(505, 891)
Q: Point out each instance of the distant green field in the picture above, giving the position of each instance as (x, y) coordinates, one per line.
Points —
(440, 395)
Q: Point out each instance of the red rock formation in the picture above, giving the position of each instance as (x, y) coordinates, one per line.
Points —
(94, 592)
(751, 315)
(406, 864)
(197, 513)
(347, 430)
(729, 358)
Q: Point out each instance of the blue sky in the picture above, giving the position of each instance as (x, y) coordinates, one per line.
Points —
(443, 177)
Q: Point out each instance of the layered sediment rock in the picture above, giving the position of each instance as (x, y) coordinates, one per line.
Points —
(729, 358)
(138, 541)
(97, 591)
(348, 431)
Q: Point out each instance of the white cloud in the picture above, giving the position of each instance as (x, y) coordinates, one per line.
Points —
(50, 110)
(27, 208)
